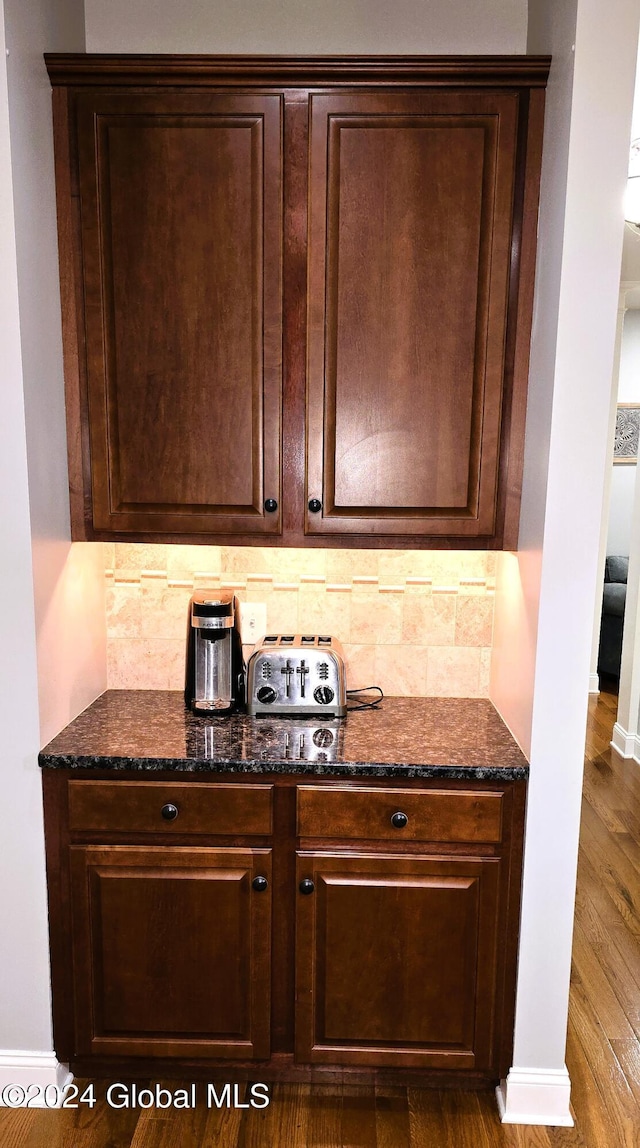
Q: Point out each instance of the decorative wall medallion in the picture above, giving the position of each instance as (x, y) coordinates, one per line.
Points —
(625, 447)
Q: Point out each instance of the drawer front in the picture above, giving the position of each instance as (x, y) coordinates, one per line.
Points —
(146, 807)
(434, 815)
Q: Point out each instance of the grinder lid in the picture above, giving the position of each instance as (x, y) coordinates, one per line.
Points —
(213, 604)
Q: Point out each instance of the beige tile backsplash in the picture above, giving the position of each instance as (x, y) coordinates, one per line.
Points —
(413, 622)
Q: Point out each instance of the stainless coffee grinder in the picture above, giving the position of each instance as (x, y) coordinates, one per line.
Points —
(214, 678)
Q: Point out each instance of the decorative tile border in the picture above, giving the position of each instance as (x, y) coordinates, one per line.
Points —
(415, 622)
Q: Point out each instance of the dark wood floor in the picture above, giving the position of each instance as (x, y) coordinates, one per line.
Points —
(603, 1053)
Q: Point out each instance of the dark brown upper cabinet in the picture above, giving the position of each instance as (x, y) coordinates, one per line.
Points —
(409, 251)
(297, 295)
(181, 237)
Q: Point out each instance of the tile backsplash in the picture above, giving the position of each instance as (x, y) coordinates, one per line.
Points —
(413, 622)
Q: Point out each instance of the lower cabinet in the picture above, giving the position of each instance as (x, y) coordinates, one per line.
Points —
(301, 926)
(396, 960)
(172, 951)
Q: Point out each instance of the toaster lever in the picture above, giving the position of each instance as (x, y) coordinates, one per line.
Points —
(288, 672)
(302, 670)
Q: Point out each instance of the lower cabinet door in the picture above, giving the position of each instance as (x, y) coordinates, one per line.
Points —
(171, 951)
(396, 960)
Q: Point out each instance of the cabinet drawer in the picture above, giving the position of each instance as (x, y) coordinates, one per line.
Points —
(141, 807)
(434, 815)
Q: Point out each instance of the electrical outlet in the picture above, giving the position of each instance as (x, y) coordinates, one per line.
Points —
(253, 622)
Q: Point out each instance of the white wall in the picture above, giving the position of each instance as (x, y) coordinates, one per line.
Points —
(24, 985)
(519, 576)
(630, 272)
(623, 481)
(306, 26)
(629, 377)
(623, 477)
(51, 651)
(631, 245)
(68, 581)
(554, 575)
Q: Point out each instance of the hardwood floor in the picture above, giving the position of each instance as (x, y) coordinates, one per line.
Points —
(603, 1052)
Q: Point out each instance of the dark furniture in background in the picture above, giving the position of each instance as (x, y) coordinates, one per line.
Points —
(613, 603)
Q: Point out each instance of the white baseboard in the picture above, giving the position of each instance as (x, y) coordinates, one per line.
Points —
(534, 1096)
(594, 684)
(31, 1073)
(625, 742)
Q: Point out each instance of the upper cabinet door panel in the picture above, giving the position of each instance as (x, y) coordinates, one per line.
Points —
(181, 210)
(410, 222)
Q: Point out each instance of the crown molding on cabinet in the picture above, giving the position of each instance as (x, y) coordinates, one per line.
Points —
(298, 71)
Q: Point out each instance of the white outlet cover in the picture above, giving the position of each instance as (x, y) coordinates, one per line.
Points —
(253, 622)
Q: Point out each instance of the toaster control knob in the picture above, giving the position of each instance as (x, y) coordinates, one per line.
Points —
(266, 695)
(323, 737)
(323, 695)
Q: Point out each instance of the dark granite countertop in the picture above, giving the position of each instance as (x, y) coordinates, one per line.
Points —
(458, 738)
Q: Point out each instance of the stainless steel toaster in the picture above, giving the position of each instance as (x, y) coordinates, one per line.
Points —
(297, 674)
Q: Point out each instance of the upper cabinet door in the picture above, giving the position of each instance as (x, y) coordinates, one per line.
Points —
(411, 207)
(181, 237)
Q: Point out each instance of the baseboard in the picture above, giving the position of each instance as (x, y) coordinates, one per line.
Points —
(626, 743)
(31, 1074)
(534, 1096)
(594, 684)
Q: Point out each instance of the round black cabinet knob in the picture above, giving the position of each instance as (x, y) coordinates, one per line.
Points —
(399, 820)
(169, 811)
(306, 886)
(259, 884)
(270, 505)
(266, 695)
(315, 505)
(323, 695)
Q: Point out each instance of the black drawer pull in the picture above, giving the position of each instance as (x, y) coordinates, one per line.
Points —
(399, 820)
(270, 505)
(259, 884)
(306, 886)
(169, 811)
